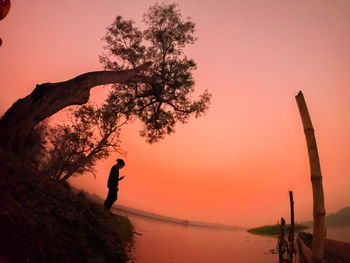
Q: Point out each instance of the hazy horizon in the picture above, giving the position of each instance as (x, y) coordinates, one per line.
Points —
(154, 215)
(236, 164)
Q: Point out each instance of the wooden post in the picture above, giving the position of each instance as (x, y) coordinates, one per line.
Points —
(281, 241)
(291, 231)
(319, 211)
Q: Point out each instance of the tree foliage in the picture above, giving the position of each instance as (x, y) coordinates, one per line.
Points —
(165, 98)
(75, 146)
(160, 100)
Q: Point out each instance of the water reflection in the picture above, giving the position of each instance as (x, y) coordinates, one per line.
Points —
(164, 242)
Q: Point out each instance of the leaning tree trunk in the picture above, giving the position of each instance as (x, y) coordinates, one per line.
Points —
(319, 211)
(49, 98)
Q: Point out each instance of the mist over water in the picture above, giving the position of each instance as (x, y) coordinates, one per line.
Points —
(163, 242)
(167, 242)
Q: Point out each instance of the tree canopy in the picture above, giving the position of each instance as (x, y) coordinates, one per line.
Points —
(164, 97)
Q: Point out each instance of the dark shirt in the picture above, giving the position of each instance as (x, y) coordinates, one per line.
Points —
(113, 177)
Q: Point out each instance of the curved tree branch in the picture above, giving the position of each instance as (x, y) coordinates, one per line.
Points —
(49, 98)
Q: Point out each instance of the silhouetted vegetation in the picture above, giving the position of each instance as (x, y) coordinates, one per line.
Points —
(161, 100)
(91, 135)
(160, 97)
(93, 131)
(165, 97)
(338, 219)
(42, 221)
(273, 230)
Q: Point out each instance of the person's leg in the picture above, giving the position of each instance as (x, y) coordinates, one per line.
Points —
(108, 203)
(111, 198)
(114, 196)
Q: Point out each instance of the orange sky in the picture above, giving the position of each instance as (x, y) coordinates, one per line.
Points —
(236, 164)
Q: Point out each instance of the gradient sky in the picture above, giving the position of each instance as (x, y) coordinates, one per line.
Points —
(236, 164)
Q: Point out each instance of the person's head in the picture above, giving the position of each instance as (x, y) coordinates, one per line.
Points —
(120, 163)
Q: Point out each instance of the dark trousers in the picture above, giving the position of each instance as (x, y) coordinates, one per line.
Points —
(111, 197)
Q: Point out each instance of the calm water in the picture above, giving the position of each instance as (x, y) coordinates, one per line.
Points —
(163, 242)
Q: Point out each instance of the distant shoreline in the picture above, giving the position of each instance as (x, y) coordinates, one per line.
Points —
(173, 220)
(158, 217)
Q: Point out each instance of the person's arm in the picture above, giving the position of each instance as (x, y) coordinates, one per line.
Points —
(121, 178)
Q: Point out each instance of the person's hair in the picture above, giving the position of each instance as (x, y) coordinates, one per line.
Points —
(121, 161)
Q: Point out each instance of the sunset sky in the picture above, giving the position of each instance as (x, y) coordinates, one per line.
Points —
(236, 164)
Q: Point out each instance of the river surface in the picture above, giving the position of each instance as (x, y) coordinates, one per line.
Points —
(162, 242)
(166, 242)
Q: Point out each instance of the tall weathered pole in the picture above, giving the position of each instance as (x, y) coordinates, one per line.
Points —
(291, 233)
(319, 211)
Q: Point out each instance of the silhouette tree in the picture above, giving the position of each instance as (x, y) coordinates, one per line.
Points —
(157, 92)
(162, 99)
(90, 135)
(165, 98)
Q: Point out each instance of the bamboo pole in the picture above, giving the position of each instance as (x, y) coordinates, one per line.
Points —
(291, 233)
(319, 234)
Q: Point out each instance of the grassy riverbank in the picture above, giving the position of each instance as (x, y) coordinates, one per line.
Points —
(273, 230)
(44, 221)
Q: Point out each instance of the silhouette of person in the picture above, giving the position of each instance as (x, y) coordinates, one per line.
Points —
(112, 185)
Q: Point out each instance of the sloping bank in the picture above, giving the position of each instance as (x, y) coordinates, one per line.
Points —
(43, 221)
